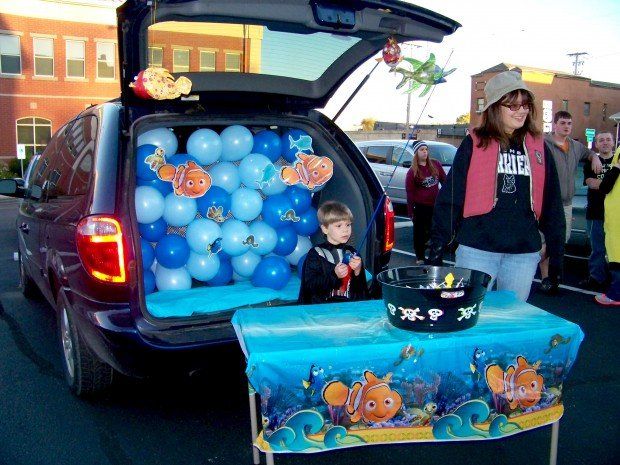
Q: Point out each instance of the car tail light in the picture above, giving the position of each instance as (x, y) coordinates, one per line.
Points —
(388, 217)
(100, 246)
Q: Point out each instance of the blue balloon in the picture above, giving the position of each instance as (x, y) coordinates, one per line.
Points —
(246, 204)
(287, 240)
(294, 141)
(160, 137)
(265, 237)
(238, 278)
(237, 142)
(225, 175)
(275, 186)
(172, 251)
(200, 234)
(214, 197)
(165, 187)
(224, 274)
(205, 145)
(172, 279)
(179, 211)
(149, 281)
(308, 223)
(234, 234)
(273, 272)
(202, 267)
(256, 171)
(244, 264)
(149, 204)
(143, 169)
(268, 143)
(300, 197)
(148, 253)
(275, 210)
(153, 232)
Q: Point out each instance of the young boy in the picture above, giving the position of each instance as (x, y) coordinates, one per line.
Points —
(332, 270)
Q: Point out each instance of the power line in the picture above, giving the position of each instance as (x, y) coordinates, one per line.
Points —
(577, 63)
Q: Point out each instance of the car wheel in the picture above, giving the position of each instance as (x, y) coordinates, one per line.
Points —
(84, 372)
(26, 283)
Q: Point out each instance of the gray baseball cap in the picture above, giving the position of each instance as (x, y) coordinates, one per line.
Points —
(502, 84)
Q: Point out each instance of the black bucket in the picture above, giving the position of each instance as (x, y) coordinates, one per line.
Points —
(433, 310)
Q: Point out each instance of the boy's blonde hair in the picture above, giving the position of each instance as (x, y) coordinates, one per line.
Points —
(332, 212)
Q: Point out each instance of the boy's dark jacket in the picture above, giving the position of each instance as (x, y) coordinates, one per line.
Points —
(318, 278)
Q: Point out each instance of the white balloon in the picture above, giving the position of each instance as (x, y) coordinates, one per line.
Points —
(303, 246)
(172, 279)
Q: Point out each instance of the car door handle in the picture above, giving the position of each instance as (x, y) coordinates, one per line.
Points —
(24, 228)
(384, 173)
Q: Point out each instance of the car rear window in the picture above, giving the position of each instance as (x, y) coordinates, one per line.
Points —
(443, 153)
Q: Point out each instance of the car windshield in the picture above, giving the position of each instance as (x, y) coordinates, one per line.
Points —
(243, 48)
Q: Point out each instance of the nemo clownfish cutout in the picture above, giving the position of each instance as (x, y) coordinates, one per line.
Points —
(309, 170)
(188, 180)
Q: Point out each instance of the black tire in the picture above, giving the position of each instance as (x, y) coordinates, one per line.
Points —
(26, 283)
(84, 372)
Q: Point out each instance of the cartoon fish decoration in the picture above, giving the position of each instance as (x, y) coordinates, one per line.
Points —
(304, 143)
(370, 400)
(250, 241)
(269, 175)
(521, 385)
(290, 215)
(477, 363)
(555, 341)
(156, 160)
(422, 73)
(315, 381)
(159, 84)
(424, 415)
(309, 170)
(188, 180)
(215, 246)
(216, 214)
(407, 352)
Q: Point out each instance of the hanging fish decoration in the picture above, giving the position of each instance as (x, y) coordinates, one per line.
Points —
(159, 84)
(421, 73)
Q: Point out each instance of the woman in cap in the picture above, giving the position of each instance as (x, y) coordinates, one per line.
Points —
(422, 185)
(502, 190)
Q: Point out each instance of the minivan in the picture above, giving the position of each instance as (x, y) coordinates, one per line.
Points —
(260, 66)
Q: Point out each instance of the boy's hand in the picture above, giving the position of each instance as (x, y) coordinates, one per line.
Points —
(356, 264)
(341, 270)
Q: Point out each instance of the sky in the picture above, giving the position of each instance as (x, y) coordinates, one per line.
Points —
(538, 34)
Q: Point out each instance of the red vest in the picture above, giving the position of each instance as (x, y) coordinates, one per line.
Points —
(481, 187)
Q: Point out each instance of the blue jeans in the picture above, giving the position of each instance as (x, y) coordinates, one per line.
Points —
(597, 263)
(513, 272)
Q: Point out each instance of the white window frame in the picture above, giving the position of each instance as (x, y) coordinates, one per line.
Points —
(105, 61)
(175, 67)
(74, 59)
(479, 104)
(232, 70)
(151, 63)
(34, 134)
(19, 45)
(208, 68)
(34, 53)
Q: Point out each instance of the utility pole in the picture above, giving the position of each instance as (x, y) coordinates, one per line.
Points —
(577, 63)
(411, 46)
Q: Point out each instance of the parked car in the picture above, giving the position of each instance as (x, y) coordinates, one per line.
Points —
(579, 235)
(78, 231)
(390, 160)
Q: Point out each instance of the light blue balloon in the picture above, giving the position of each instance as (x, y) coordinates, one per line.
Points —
(203, 267)
(201, 233)
(246, 204)
(179, 211)
(256, 170)
(149, 204)
(303, 246)
(225, 175)
(172, 279)
(205, 145)
(276, 186)
(265, 237)
(234, 234)
(237, 142)
(160, 137)
(244, 264)
(238, 278)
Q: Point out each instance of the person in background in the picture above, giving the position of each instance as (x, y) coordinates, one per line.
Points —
(595, 214)
(502, 189)
(567, 153)
(333, 271)
(422, 186)
(611, 188)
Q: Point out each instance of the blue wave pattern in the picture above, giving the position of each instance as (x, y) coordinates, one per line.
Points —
(461, 423)
(292, 437)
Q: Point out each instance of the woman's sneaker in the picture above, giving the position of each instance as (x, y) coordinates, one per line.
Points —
(604, 300)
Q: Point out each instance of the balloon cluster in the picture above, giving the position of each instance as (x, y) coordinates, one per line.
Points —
(249, 224)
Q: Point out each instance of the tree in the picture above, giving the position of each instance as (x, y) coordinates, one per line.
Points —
(368, 124)
(463, 119)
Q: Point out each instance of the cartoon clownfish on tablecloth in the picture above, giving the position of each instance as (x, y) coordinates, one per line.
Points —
(309, 170)
(521, 385)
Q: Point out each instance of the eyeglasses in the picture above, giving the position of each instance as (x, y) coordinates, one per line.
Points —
(515, 106)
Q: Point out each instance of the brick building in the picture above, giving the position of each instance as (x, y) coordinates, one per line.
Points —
(589, 102)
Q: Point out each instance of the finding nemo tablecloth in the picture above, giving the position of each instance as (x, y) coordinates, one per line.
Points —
(340, 375)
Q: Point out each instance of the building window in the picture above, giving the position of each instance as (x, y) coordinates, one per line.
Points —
(565, 105)
(180, 60)
(207, 61)
(75, 58)
(34, 133)
(233, 62)
(479, 85)
(156, 57)
(43, 56)
(10, 55)
(586, 108)
(105, 60)
(480, 103)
